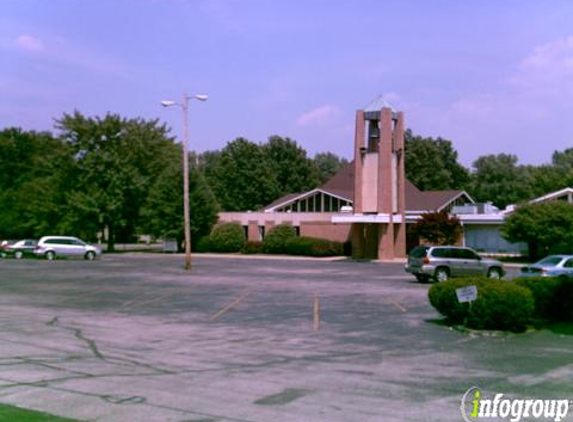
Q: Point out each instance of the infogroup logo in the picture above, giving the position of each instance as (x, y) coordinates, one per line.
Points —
(476, 407)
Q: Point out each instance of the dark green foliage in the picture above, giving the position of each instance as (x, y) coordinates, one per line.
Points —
(228, 237)
(499, 179)
(546, 227)
(502, 306)
(35, 173)
(203, 244)
(328, 164)
(275, 241)
(242, 178)
(252, 247)
(310, 246)
(162, 213)
(292, 169)
(544, 290)
(116, 161)
(432, 164)
(438, 228)
(499, 306)
(563, 305)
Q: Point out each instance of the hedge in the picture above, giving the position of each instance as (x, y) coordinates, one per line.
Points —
(228, 237)
(252, 247)
(311, 246)
(275, 241)
(553, 296)
(500, 305)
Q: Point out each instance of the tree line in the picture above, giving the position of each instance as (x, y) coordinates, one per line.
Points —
(114, 178)
(117, 177)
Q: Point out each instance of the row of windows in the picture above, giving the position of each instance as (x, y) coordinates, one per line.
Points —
(262, 232)
(316, 203)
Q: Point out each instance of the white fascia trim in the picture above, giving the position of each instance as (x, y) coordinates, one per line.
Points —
(552, 195)
(366, 218)
(456, 197)
(305, 195)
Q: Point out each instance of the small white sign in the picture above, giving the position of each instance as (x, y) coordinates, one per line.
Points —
(467, 294)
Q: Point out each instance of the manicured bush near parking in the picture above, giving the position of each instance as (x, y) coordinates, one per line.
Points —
(252, 247)
(275, 240)
(563, 305)
(311, 246)
(228, 237)
(544, 290)
(499, 306)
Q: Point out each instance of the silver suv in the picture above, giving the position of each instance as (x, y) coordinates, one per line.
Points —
(51, 247)
(442, 262)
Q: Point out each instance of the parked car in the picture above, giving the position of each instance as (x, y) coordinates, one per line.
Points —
(20, 249)
(550, 266)
(4, 245)
(442, 262)
(51, 247)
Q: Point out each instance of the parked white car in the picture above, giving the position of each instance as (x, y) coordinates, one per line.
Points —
(51, 247)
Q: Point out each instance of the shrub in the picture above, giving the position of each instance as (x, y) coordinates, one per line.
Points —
(277, 237)
(311, 246)
(228, 237)
(252, 247)
(499, 306)
(562, 308)
(544, 292)
(203, 244)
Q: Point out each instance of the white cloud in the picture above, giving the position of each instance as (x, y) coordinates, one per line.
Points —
(319, 116)
(548, 70)
(29, 43)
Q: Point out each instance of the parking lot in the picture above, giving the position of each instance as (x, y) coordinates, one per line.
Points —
(132, 337)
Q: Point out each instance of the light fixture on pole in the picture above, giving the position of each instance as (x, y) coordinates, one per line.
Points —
(186, 217)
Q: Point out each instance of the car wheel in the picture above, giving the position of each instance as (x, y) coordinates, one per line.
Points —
(494, 274)
(50, 255)
(442, 274)
(90, 256)
(18, 254)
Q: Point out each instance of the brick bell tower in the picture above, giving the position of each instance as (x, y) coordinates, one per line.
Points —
(379, 224)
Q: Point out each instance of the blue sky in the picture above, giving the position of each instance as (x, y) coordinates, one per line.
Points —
(492, 76)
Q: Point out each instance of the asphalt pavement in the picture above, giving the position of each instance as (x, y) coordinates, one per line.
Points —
(133, 337)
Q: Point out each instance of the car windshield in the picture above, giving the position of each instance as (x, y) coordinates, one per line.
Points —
(550, 261)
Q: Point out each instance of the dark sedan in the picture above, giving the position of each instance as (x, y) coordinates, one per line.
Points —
(20, 249)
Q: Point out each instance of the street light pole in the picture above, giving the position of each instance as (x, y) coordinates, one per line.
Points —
(186, 212)
(186, 217)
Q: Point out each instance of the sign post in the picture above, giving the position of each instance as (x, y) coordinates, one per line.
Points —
(467, 294)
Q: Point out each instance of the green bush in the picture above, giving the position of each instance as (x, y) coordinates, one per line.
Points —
(275, 240)
(252, 247)
(563, 305)
(544, 290)
(499, 306)
(203, 244)
(228, 237)
(311, 246)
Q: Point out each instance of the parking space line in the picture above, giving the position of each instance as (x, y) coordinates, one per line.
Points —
(230, 306)
(396, 304)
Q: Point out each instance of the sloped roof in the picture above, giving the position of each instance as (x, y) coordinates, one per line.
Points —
(342, 185)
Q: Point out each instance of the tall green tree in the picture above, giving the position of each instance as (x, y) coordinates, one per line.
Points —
(432, 164)
(34, 179)
(328, 164)
(291, 168)
(546, 227)
(499, 179)
(116, 160)
(242, 178)
(162, 214)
